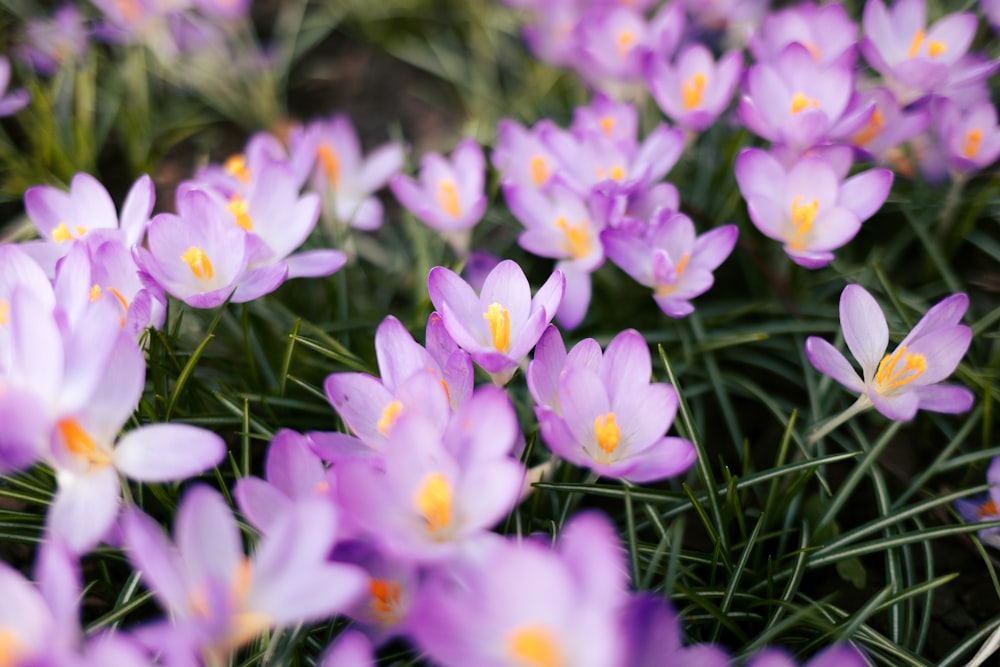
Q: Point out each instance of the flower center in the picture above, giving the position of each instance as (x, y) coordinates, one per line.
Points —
(971, 142)
(239, 207)
(236, 166)
(10, 649)
(499, 320)
(384, 603)
(664, 290)
(800, 102)
(693, 90)
(891, 375)
(389, 416)
(534, 646)
(198, 262)
(803, 217)
(4, 312)
(447, 198)
(62, 233)
(874, 128)
(987, 509)
(434, 501)
(934, 47)
(608, 125)
(608, 435)
(539, 170)
(95, 294)
(329, 163)
(79, 443)
(577, 241)
(624, 43)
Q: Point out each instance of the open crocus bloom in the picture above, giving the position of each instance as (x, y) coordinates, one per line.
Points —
(984, 506)
(908, 378)
(834, 656)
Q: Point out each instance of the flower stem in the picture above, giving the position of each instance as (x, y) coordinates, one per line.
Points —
(859, 406)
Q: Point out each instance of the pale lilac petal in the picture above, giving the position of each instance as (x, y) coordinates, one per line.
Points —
(399, 356)
(550, 294)
(865, 193)
(947, 312)
(767, 216)
(359, 399)
(759, 173)
(942, 349)
(838, 656)
(774, 657)
(380, 165)
(137, 208)
(832, 229)
(669, 457)
(445, 287)
(713, 247)
(576, 297)
(260, 502)
(93, 201)
(865, 330)
(828, 360)
(901, 407)
(258, 282)
(314, 263)
(84, 508)
(627, 364)
(507, 286)
(590, 547)
(543, 370)
(167, 452)
(155, 558)
(351, 649)
(367, 216)
(207, 536)
(582, 398)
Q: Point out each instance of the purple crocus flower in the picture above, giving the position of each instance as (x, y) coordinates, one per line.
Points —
(351, 649)
(217, 597)
(342, 172)
(654, 637)
(983, 507)
(695, 89)
(913, 58)
(667, 256)
(499, 326)
(827, 31)
(909, 378)
(800, 103)
(889, 127)
(971, 136)
(392, 584)
(450, 196)
(11, 101)
(524, 603)
(834, 656)
(521, 157)
(608, 416)
(809, 206)
(48, 43)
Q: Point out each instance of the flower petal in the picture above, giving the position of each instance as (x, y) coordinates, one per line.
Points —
(167, 452)
(865, 328)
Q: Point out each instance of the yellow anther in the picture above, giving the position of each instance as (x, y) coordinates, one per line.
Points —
(803, 217)
(987, 509)
(499, 320)
(11, 650)
(322, 488)
(539, 170)
(889, 377)
(62, 233)
(4, 312)
(79, 442)
(447, 198)
(329, 163)
(617, 173)
(800, 102)
(664, 290)
(814, 51)
(534, 646)
(389, 416)
(693, 90)
(971, 143)
(239, 207)
(918, 41)
(934, 49)
(199, 263)
(385, 600)
(577, 243)
(874, 128)
(608, 125)
(624, 43)
(236, 165)
(608, 435)
(95, 292)
(434, 502)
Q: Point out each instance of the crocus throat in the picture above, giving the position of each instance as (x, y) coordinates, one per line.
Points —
(624, 43)
(934, 47)
(389, 416)
(499, 321)
(539, 170)
(79, 442)
(607, 125)
(236, 166)
(577, 240)
(971, 142)
(239, 207)
(447, 198)
(803, 217)
(987, 509)
(329, 163)
(871, 130)
(198, 262)
(693, 90)
(434, 502)
(608, 435)
(62, 233)
(4, 312)
(891, 375)
(384, 603)
(10, 649)
(664, 290)
(534, 646)
(800, 102)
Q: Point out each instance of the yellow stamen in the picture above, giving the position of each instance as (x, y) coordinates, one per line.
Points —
(803, 217)
(62, 233)
(389, 416)
(617, 173)
(95, 293)
(918, 41)
(236, 165)
(434, 501)
(874, 128)
(934, 48)
(664, 290)
(800, 102)
(608, 125)
(539, 170)
(971, 143)
(10, 649)
(80, 443)
(693, 90)
(989, 508)
(239, 207)
(130, 10)
(447, 198)
(118, 295)
(814, 50)
(534, 646)
(608, 435)
(200, 265)
(499, 320)
(624, 43)
(577, 242)
(329, 163)
(322, 488)
(888, 377)
(4, 312)
(384, 603)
